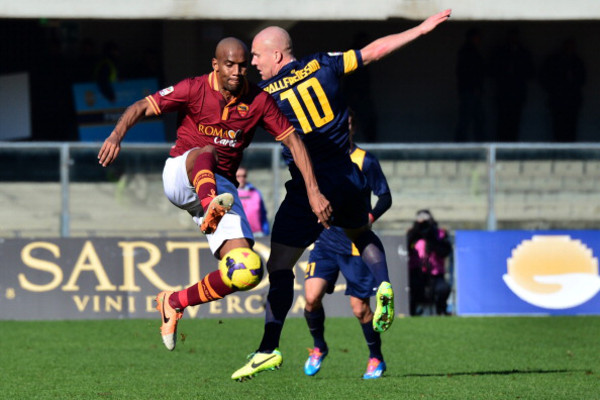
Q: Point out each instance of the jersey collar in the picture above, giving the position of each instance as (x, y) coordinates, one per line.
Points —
(213, 81)
(287, 68)
(214, 84)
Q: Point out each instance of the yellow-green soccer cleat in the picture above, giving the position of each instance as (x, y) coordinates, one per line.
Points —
(384, 313)
(258, 362)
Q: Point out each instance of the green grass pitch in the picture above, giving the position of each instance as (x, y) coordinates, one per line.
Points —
(427, 358)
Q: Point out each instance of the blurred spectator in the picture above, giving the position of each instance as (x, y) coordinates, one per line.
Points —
(511, 67)
(253, 204)
(470, 74)
(106, 72)
(428, 247)
(562, 76)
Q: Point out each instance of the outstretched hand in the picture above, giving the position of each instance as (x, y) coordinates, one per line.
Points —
(432, 22)
(321, 207)
(110, 150)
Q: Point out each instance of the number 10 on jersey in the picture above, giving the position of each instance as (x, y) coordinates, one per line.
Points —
(318, 120)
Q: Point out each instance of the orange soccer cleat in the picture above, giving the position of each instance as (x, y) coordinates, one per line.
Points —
(217, 208)
(169, 316)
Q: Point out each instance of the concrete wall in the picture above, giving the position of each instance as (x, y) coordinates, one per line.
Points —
(305, 10)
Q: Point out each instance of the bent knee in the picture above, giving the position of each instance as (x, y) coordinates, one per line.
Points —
(313, 303)
(361, 309)
(360, 313)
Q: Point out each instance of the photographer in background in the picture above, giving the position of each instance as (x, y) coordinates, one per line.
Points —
(428, 247)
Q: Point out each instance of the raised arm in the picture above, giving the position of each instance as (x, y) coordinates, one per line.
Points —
(112, 145)
(386, 45)
(318, 203)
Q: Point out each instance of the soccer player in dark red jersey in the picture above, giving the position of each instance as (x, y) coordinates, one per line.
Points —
(221, 112)
(309, 93)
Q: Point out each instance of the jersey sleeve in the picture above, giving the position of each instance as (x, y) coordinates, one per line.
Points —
(346, 62)
(274, 121)
(172, 98)
(375, 177)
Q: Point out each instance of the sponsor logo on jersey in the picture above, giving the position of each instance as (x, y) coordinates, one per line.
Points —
(166, 91)
(554, 272)
(295, 76)
(222, 137)
(242, 109)
(335, 53)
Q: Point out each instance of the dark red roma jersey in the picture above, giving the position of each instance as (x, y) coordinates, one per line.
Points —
(206, 118)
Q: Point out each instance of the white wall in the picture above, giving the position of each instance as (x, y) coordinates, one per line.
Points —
(305, 10)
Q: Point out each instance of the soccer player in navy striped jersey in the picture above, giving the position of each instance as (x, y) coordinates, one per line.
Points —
(309, 93)
(333, 253)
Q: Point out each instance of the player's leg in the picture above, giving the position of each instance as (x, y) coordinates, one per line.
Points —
(362, 311)
(373, 254)
(360, 286)
(314, 290)
(212, 286)
(281, 292)
(233, 232)
(200, 166)
(314, 314)
(279, 301)
(321, 274)
(295, 227)
(371, 250)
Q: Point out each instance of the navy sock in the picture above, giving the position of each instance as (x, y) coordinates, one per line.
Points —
(316, 325)
(279, 302)
(373, 340)
(373, 254)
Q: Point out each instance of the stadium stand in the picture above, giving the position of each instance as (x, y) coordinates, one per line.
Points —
(530, 194)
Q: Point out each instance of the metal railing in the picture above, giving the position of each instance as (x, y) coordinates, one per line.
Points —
(268, 156)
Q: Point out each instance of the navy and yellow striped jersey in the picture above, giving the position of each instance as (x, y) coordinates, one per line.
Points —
(309, 92)
(334, 239)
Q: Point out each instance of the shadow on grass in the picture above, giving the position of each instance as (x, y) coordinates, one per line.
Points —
(502, 372)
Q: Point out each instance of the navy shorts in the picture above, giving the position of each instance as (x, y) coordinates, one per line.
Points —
(345, 187)
(326, 264)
